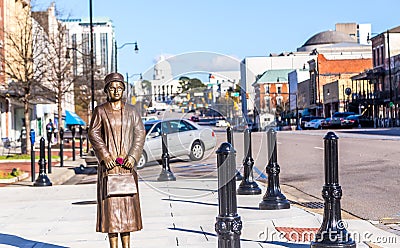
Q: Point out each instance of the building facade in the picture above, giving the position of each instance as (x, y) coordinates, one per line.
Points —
(79, 49)
(271, 95)
(385, 78)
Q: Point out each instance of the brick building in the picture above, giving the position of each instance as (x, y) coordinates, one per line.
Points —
(324, 71)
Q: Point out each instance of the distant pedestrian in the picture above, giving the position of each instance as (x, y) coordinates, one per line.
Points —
(50, 126)
(117, 136)
(50, 129)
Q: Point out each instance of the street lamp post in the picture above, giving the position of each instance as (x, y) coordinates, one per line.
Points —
(136, 49)
(91, 54)
(127, 82)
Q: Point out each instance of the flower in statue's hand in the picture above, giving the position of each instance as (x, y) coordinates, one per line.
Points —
(119, 161)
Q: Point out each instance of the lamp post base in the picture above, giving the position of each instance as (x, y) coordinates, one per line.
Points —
(42, 180)
(166, 176)
(274, 204)
(249, 188)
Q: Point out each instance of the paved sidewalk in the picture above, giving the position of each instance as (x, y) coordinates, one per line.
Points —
(175, 214)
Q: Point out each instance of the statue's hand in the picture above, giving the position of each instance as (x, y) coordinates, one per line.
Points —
(109, 163)
(129, 162)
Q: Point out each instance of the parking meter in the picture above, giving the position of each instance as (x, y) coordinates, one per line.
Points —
(73, 131)
(61, 147)
(32, 136)
(73, 142)
(49, 131)
(23, 140)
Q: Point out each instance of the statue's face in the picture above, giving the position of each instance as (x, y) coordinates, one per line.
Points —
(115, 91)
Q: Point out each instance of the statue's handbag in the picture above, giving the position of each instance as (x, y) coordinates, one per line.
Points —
(120, 185)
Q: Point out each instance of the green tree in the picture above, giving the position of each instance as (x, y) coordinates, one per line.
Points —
(190, 83)
(24, 57)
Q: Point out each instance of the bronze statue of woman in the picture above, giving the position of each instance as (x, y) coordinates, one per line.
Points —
(116, 132)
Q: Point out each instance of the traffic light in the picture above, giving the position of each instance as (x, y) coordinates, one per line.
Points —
(226, 95)
(247, 95)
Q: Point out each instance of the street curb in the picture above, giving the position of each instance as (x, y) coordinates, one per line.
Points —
(23, 176)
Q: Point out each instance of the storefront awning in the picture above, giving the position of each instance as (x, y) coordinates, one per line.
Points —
(71, 118)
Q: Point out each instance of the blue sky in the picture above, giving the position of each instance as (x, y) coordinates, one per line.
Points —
(234, 28)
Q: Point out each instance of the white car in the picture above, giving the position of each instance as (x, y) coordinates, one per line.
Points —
(184, 138)
(149, 118)
(314, 124)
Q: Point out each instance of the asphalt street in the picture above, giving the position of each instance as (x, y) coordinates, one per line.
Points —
(368, 167)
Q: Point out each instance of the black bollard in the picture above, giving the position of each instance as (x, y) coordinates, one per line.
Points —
(332, 232)
(73, 143)
(166, 173)
(32, 138)
(228, 226)
(80, 142)
(87, 139)
(273, 198)
(49, 151)
(61, 147)
(42, 179)
(248, 186)
(229, 134)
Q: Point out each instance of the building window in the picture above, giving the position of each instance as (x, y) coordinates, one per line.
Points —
(74, 58)
(374, 57)
(382, 56)
(104, 51)
(279, 90)
(85, 50)
(266, 89)
(94, 48)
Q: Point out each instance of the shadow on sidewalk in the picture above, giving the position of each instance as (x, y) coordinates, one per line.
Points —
(12, 240)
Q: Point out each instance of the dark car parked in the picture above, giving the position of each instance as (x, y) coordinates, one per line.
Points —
(325, 124)
(357, 121)
(338, 117)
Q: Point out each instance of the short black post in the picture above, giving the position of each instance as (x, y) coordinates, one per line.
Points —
(61, 147)
(73, 143)
(42, 179)
(87, 139)
(49, 150)
(248, 186)
(332, 232)
(80, 142)
(166, 173)
(273, 198)
(228, 225)
(32, 138)
(229, 134)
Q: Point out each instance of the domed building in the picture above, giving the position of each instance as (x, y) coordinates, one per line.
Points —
(335, 42)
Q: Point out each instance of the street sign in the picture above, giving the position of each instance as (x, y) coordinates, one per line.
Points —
(235, 94)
